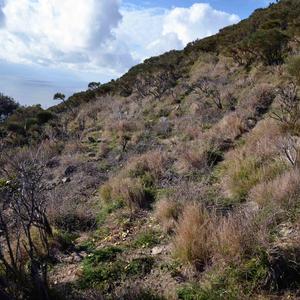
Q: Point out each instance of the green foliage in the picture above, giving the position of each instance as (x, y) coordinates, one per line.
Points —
(94, 85)
(65, 239)
(59, 96)
(294, 67)
(7, 106)
(102, 268)
(146, 239)
(269, 45)
(139, 266)
(74, 221)
(102, 255)
(234, 282)
(107, 209)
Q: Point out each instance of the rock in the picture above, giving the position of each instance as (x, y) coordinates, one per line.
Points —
(66, 179)
(194, 108)
(69, 170)
(118, 157)
(91, 139)
(76, 258)
(251, 122)
(158, 250)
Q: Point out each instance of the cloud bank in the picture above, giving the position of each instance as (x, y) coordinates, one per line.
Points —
(99, 35)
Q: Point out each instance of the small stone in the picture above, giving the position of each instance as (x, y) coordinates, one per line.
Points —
(118, 157)
(66, 179)
(157, 250)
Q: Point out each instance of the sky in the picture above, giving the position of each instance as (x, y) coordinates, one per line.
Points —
(50, 46)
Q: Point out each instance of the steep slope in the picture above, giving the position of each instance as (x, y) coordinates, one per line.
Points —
(179, 180)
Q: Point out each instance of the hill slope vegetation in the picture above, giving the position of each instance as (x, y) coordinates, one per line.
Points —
(180, 180)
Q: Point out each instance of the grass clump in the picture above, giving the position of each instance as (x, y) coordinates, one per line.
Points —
(233, 282)
(193, 239)
(167, 212)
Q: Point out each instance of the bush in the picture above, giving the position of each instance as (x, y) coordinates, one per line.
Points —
(294, 67)
(270, 45)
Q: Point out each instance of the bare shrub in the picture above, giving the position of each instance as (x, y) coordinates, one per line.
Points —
(289, 106)
(206, 86)
(289, 147)
(24, 225)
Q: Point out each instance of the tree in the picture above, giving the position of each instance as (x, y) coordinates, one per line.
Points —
(7, 106)
(24, 226)
(60, 96)
(155, 85)
(269, 45)
(94, 85)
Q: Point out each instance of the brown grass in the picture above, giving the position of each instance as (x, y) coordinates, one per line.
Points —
(283, 191)
(167, 212)
(195, 236)
(203, 237)
(128, 190)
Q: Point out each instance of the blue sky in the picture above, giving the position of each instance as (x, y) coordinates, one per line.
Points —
(243, 8)
(53, 45)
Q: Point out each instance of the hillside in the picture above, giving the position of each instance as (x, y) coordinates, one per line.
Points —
(180, 180)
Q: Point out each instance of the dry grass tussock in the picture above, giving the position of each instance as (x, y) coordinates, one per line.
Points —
(261, 142)
(258, 160)
(203, 237)
(195, 235)
(283, 191)
(230, 127)
(128, 190)
(167, 212)
(132, 184)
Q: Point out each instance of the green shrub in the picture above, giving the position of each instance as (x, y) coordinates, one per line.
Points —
(294, 67)
(139, 266)
(146, 239)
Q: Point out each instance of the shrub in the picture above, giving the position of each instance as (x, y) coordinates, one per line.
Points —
(146, 239)
(294, 67)
(74, 221)
(269, 45)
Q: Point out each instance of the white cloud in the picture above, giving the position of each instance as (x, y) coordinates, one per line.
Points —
(200, 20)
(99, 35)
